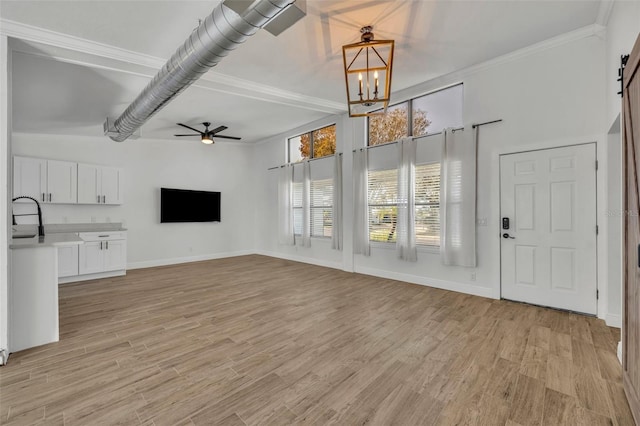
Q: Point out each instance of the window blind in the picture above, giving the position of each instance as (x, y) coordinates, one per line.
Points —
(321, 207)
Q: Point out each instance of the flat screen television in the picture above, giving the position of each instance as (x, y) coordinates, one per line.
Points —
(183, 205)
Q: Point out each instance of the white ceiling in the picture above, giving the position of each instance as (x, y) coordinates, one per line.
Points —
(433, 38)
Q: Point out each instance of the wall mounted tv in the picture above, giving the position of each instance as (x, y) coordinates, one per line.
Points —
(183, 205)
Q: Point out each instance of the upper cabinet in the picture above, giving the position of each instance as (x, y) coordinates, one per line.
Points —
(65, 182)
(48, 181)
(100, 184)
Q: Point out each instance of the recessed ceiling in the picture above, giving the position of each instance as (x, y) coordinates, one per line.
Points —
(433, 38)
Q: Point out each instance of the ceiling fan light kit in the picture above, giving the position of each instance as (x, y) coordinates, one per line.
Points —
(367, 73)
(207, 136)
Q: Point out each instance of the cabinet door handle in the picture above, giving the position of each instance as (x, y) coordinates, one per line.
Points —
(104, 199)
(107, 244)
(43, 196)
(98, 199)
(49, 197)
(100, 245)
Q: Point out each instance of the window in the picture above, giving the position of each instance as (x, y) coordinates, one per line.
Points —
(430, 113)
(321, 207)
(315, 144)
(382, 199)
(383, 210)
(297, 208)
(427, 199)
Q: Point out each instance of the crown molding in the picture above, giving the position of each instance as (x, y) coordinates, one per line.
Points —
(604, 12)
(121, 58)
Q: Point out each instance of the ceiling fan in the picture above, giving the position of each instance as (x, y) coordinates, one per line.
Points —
(207, 136)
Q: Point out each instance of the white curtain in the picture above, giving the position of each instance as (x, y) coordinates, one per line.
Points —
(360, 205)
(285, 205)
(336, 214)
(306, 204)
(405, 228)
(458, 198)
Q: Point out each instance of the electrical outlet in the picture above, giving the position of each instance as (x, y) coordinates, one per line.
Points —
(482, 221)
(473, 276)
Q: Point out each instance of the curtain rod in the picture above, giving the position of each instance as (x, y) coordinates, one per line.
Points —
(473, 126)
(301, 162)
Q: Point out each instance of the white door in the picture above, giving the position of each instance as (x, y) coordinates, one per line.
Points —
(115, 255)
(67, 261)
(62, 182)
(112, 185)
(91, 257)
(30, 178)
(548, 252)
(88, 184)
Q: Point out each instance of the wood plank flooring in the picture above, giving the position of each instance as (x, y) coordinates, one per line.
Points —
(256, 340)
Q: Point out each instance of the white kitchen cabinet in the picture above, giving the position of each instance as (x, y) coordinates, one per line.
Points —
(91, 258)
(102, 252)
(115, 255)
(100, 184)
(48, 181)
(67, 261)
(62, 182)
(29, 178)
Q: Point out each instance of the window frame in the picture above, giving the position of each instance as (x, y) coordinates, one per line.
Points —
(310, 133)
(409, 103)
(431, 248)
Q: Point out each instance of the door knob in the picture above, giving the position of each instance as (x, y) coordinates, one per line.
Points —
(505, 235)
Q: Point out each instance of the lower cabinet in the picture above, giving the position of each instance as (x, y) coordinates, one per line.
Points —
(102, 253)
(102, 256)
(67, 261)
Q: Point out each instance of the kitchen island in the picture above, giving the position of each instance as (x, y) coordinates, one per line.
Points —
(33, 290)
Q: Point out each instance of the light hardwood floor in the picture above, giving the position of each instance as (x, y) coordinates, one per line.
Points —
(256, 340)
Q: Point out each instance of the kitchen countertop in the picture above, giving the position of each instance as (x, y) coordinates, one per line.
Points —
(49, 240)
(54, 228)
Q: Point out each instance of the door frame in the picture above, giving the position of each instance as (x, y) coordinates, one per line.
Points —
(601, 184)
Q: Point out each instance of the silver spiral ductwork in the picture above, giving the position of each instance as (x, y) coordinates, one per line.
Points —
(221, 32)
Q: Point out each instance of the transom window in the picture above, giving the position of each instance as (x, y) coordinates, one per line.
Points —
(430, 113)
(314, 144)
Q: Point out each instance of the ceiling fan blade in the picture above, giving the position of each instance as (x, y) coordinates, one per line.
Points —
(188, 127)
(227, 137)
(192, 134)
(218, 129)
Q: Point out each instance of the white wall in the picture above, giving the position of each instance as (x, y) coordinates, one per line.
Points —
(547, 97)
(149, 165)
(5, 194)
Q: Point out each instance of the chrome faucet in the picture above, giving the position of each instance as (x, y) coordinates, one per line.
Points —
(40, 225)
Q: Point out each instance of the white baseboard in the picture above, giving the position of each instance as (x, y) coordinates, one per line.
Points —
(613, 320)
(188, 259)
(302, 259)
(619, 352)
(86, 277)
(430, 282)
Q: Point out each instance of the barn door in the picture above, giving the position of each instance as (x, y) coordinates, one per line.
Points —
(631, 297)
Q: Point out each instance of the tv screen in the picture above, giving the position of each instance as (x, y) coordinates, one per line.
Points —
(182, 205)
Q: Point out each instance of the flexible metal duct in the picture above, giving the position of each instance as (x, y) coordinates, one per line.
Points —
(221, 32)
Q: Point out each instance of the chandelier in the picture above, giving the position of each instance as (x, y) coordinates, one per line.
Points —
(367, 73)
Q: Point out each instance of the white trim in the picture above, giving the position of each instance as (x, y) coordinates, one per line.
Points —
(301, 259)
(601, 205)
(189, 259)
(87, 277)
(473, 290)
(613, 320)
(604, 12)
(211, 80)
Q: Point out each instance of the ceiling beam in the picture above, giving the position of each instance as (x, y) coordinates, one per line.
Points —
(79, 51)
